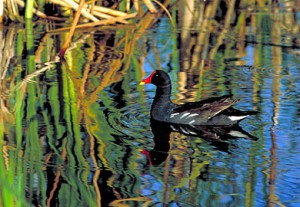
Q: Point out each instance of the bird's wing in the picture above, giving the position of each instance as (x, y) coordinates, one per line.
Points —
(207, 108)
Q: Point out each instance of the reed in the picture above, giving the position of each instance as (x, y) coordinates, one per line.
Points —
(66, 44)
(89, 12)
(29, 9)
(1, 12)
(58, 136)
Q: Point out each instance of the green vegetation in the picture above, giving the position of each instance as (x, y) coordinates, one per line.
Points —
(63, 134)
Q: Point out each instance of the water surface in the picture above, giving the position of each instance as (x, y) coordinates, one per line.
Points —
(78, 133)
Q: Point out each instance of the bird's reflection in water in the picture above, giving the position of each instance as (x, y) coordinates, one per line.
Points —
(218, 136)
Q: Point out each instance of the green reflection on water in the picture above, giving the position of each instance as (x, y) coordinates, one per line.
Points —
(78, 127)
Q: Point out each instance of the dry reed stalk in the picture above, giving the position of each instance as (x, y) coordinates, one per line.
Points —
(13, 11)
(1, 11)
(72, 30)
(136, 5)
(101, 15)
(127, 5)
(109, 11)
(99, 23)
(150, 6)
(92, 6)
(106, 16)
(84, 12)
(167, 12)
(98, 11)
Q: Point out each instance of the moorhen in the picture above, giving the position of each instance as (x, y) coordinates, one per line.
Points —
(211, 111)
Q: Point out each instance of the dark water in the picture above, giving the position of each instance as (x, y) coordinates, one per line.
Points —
(79, 133)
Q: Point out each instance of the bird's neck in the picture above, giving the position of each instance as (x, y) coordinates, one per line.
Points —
(163, 93)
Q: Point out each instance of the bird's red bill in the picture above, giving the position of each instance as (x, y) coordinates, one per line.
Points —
(148, 80)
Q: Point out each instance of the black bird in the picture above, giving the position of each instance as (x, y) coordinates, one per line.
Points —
(211, 111)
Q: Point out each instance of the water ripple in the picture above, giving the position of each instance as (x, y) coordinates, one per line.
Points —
(132, 120)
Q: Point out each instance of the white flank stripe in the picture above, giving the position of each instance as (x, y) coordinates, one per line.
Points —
(236, 118)
(184, 115)
(172, 115)
(192, 115)
(191, 121)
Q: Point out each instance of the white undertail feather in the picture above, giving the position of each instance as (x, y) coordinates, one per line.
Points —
(237, 134)
(237, 118)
